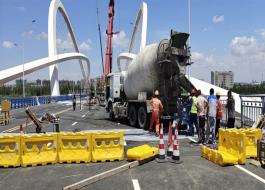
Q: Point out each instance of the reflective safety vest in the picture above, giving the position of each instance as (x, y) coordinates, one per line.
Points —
(156, 105)
(194, 105)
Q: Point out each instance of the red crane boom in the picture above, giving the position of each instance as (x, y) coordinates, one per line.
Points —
(109, 32)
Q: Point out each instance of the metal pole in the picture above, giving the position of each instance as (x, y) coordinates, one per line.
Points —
(100, 41)
(190, 36)
(241, 102)
(263, 104)
(23, 61)
(80, 97)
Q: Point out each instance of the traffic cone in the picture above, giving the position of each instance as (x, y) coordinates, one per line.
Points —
(175, 156)
(170, 141)
(161, 153)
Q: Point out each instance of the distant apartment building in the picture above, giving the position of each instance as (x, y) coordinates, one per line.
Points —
(19, 82)
(38, 82)
(224, 79)
(46, 83)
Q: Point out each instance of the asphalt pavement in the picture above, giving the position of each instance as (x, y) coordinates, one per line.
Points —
(194, 173)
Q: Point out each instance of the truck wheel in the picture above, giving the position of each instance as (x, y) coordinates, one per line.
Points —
(143, 118)
(133, 116)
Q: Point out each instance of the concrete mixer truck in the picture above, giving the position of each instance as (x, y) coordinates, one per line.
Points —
(160, 66)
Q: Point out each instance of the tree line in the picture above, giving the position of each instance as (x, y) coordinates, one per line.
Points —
(249, 88)
(37, 90)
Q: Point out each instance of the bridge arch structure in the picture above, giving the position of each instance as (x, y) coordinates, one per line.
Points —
(129, 56)
(53, 58)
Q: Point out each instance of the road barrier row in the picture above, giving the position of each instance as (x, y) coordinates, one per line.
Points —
(10, 150)
(107, 147)
(74, 147)
(252, 136)
(50, 148)
(235, 146)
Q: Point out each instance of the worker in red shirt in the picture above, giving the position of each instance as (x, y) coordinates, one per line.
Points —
(156, 108)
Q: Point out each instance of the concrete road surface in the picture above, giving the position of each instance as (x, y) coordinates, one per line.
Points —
(194, 173)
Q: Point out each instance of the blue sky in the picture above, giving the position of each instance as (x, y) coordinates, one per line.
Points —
(225, 35)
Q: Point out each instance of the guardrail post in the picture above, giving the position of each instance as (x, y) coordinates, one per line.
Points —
(263, 104)
(241, 103)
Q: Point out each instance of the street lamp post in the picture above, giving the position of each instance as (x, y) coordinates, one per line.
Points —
(190, 36)
(23, 60)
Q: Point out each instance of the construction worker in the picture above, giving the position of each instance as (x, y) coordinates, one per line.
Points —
(202, 111)
(219, 113)
(187, 109)
(193, 114)
(212, 107)
(74, 102)
(156, 108)
(231, 110)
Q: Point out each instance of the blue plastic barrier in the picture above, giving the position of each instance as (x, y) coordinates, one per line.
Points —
(32, 101)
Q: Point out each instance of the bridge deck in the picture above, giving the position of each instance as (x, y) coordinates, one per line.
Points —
(194, 173)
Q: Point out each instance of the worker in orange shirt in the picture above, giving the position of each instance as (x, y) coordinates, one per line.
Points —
(219, 113)
(156, 108)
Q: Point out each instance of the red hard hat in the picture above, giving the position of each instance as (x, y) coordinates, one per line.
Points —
(193, 91)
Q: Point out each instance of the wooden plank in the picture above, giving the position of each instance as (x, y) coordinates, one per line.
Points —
(100, 176)
(254, 162)
(33, 118)
(192, 140)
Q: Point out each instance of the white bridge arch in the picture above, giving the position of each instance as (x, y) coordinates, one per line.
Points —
(129, 56)
(53, 59)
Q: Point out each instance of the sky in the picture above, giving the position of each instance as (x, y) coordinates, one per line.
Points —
(225, 34)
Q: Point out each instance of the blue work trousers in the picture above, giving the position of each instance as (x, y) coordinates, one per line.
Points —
(193, 122)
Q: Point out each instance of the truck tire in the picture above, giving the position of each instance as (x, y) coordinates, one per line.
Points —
(133, 116)
(143, 119)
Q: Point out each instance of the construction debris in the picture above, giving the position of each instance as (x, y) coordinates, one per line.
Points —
(260, 122)
(47, 117)
(34, 119)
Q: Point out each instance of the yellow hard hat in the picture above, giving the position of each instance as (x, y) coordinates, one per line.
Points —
(218, 93)
(157, 93)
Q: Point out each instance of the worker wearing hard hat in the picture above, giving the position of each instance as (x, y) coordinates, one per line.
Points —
(193, 114)
(156, 108)
(219, 113)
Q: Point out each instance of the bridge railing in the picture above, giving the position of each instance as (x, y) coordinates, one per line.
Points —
(37, 100)
(251, 107)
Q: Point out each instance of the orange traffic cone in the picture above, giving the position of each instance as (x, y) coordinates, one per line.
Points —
(161, 153)
(175, 156)
(170, 141)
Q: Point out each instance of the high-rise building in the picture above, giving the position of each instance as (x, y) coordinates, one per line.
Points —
(38, 82)
(19, 82)
(46, 83)
(224, 79)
